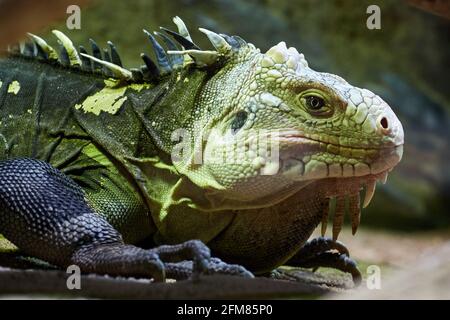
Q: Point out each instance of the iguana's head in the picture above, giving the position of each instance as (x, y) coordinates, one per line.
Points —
(274, 125)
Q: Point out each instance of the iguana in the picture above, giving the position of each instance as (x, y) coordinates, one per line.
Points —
(204, 156)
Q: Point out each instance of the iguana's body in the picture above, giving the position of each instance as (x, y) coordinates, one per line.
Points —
(114, 139)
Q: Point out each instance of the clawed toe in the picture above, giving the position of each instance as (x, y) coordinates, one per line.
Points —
(325, 252)
(192, 258)
(193, 250)
(217, 266)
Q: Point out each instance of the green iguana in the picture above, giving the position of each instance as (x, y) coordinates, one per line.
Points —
(228, 153)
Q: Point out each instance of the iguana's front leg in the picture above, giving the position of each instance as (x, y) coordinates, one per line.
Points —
(325, 252)
(46, 215)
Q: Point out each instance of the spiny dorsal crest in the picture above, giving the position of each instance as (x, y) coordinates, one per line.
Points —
(281, 55)
(108, 62)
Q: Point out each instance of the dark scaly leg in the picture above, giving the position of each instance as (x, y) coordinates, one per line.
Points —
(325, 252)
(45, 214)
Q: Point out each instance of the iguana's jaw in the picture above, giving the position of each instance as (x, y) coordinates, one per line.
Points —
(305, 158)
(338, 173)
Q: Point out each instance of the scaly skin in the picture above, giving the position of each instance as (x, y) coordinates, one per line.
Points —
(179, 155)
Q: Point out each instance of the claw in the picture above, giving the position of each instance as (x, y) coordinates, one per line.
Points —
(324, 252)
(160, 274)
(218, 266)
(349, 265)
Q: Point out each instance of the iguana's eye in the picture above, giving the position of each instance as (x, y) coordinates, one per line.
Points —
(315, 103)
(238, 121)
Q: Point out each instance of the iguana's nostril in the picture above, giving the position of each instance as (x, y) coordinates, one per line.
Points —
(384, 123)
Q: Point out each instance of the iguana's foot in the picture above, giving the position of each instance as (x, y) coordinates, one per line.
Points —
(181, 261)
(192, 258)
(325, 252)
(184, 270)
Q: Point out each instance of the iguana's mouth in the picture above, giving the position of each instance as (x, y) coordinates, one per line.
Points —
(296, 137)
(342, 189)
(333, 161)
